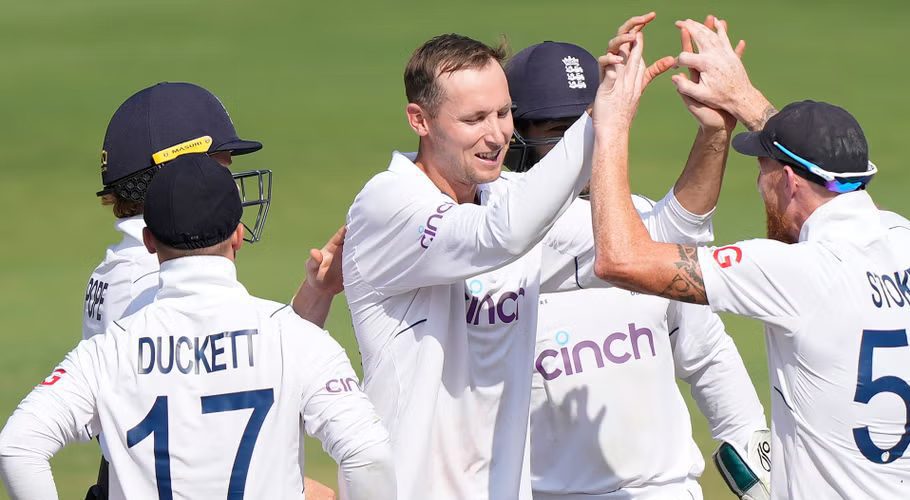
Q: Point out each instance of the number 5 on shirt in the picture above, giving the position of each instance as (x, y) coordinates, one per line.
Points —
(867, 388)
(155, 422)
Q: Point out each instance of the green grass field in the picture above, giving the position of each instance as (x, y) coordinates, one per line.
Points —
(320, 84)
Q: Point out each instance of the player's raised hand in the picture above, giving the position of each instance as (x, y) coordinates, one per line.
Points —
(719, 78)
(623, 82)
(708, 117)
(625, 36)
(323, 268)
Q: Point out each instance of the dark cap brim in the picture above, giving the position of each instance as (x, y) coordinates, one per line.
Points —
(240, 147)
(554, 113)
(749, 144)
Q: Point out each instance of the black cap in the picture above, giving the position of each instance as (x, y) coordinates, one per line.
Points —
(161, 122)
(192, 202)
(552, 80)
(820, 133)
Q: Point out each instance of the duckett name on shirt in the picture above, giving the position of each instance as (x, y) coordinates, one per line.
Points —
(194, 354)
(503, 310)
(615, 348)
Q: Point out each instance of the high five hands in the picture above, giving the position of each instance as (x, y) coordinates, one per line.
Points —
(716, 76)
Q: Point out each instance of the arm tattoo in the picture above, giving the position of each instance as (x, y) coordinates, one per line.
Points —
(763, 119)
(688, 284)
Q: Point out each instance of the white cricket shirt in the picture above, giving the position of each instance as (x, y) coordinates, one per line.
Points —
(836, 308)
(200, 395)
(444, 302)
(607, 418)
(127, 272)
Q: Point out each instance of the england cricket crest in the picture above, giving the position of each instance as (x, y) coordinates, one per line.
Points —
(574, 73)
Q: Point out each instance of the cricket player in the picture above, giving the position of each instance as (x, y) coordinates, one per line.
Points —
(443, 261)
(829, 282)
(598, 349)
(199, 394)
(154, 126)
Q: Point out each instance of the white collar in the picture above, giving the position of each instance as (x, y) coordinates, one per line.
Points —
(198, 275)
(131, 227)
(847, 216)
(403, 163)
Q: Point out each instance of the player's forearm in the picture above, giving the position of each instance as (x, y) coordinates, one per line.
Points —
(369, 474)
(753, 109)
(312, 305)
(698, 186)
(618, 230)
(24, 461)
(538, 197)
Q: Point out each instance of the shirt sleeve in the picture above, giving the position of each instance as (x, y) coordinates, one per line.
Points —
(763, 279)
(60, 410)
(568, 250)
(399, 238)
(707, 359)
(338, 413)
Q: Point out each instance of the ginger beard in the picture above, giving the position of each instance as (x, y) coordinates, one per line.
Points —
(770, 178)
(776, 227)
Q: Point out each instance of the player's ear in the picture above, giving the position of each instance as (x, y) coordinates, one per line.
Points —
(791, 182)
(417, 119)
(148, 240)
(237, 237)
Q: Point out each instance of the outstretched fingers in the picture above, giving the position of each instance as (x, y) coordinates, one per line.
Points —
(740, 48)
(659, 67)
(636, 23)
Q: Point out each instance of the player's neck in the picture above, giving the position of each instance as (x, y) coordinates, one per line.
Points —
(461, 192)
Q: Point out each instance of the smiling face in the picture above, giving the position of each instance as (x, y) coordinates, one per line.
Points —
(469, 133)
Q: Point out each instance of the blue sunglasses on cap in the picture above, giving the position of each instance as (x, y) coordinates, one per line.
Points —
(835, 182)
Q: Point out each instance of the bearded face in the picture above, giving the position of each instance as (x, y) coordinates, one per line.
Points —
(777, 227)
(770, 177)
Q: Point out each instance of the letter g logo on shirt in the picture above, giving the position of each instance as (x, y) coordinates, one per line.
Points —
(727, 256)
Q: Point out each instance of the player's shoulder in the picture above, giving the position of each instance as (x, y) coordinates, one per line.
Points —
(286, 319)
(401, 181)
(768, 257)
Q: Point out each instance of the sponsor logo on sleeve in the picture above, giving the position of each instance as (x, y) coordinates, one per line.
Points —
(727, 256)
(339, 385)
(54, 377)
(428, 231)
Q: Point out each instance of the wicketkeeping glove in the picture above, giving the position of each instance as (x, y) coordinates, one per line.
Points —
(748, 477)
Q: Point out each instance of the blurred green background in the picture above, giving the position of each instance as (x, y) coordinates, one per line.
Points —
(320, 84)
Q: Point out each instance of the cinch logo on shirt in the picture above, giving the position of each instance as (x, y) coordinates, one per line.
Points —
(428, 231)
(337, 385)
(615, 349)
(503, 310)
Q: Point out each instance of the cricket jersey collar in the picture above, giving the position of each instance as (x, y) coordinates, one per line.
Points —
(131, 227)
(403, 163)
(852, 216)
(202, 275)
